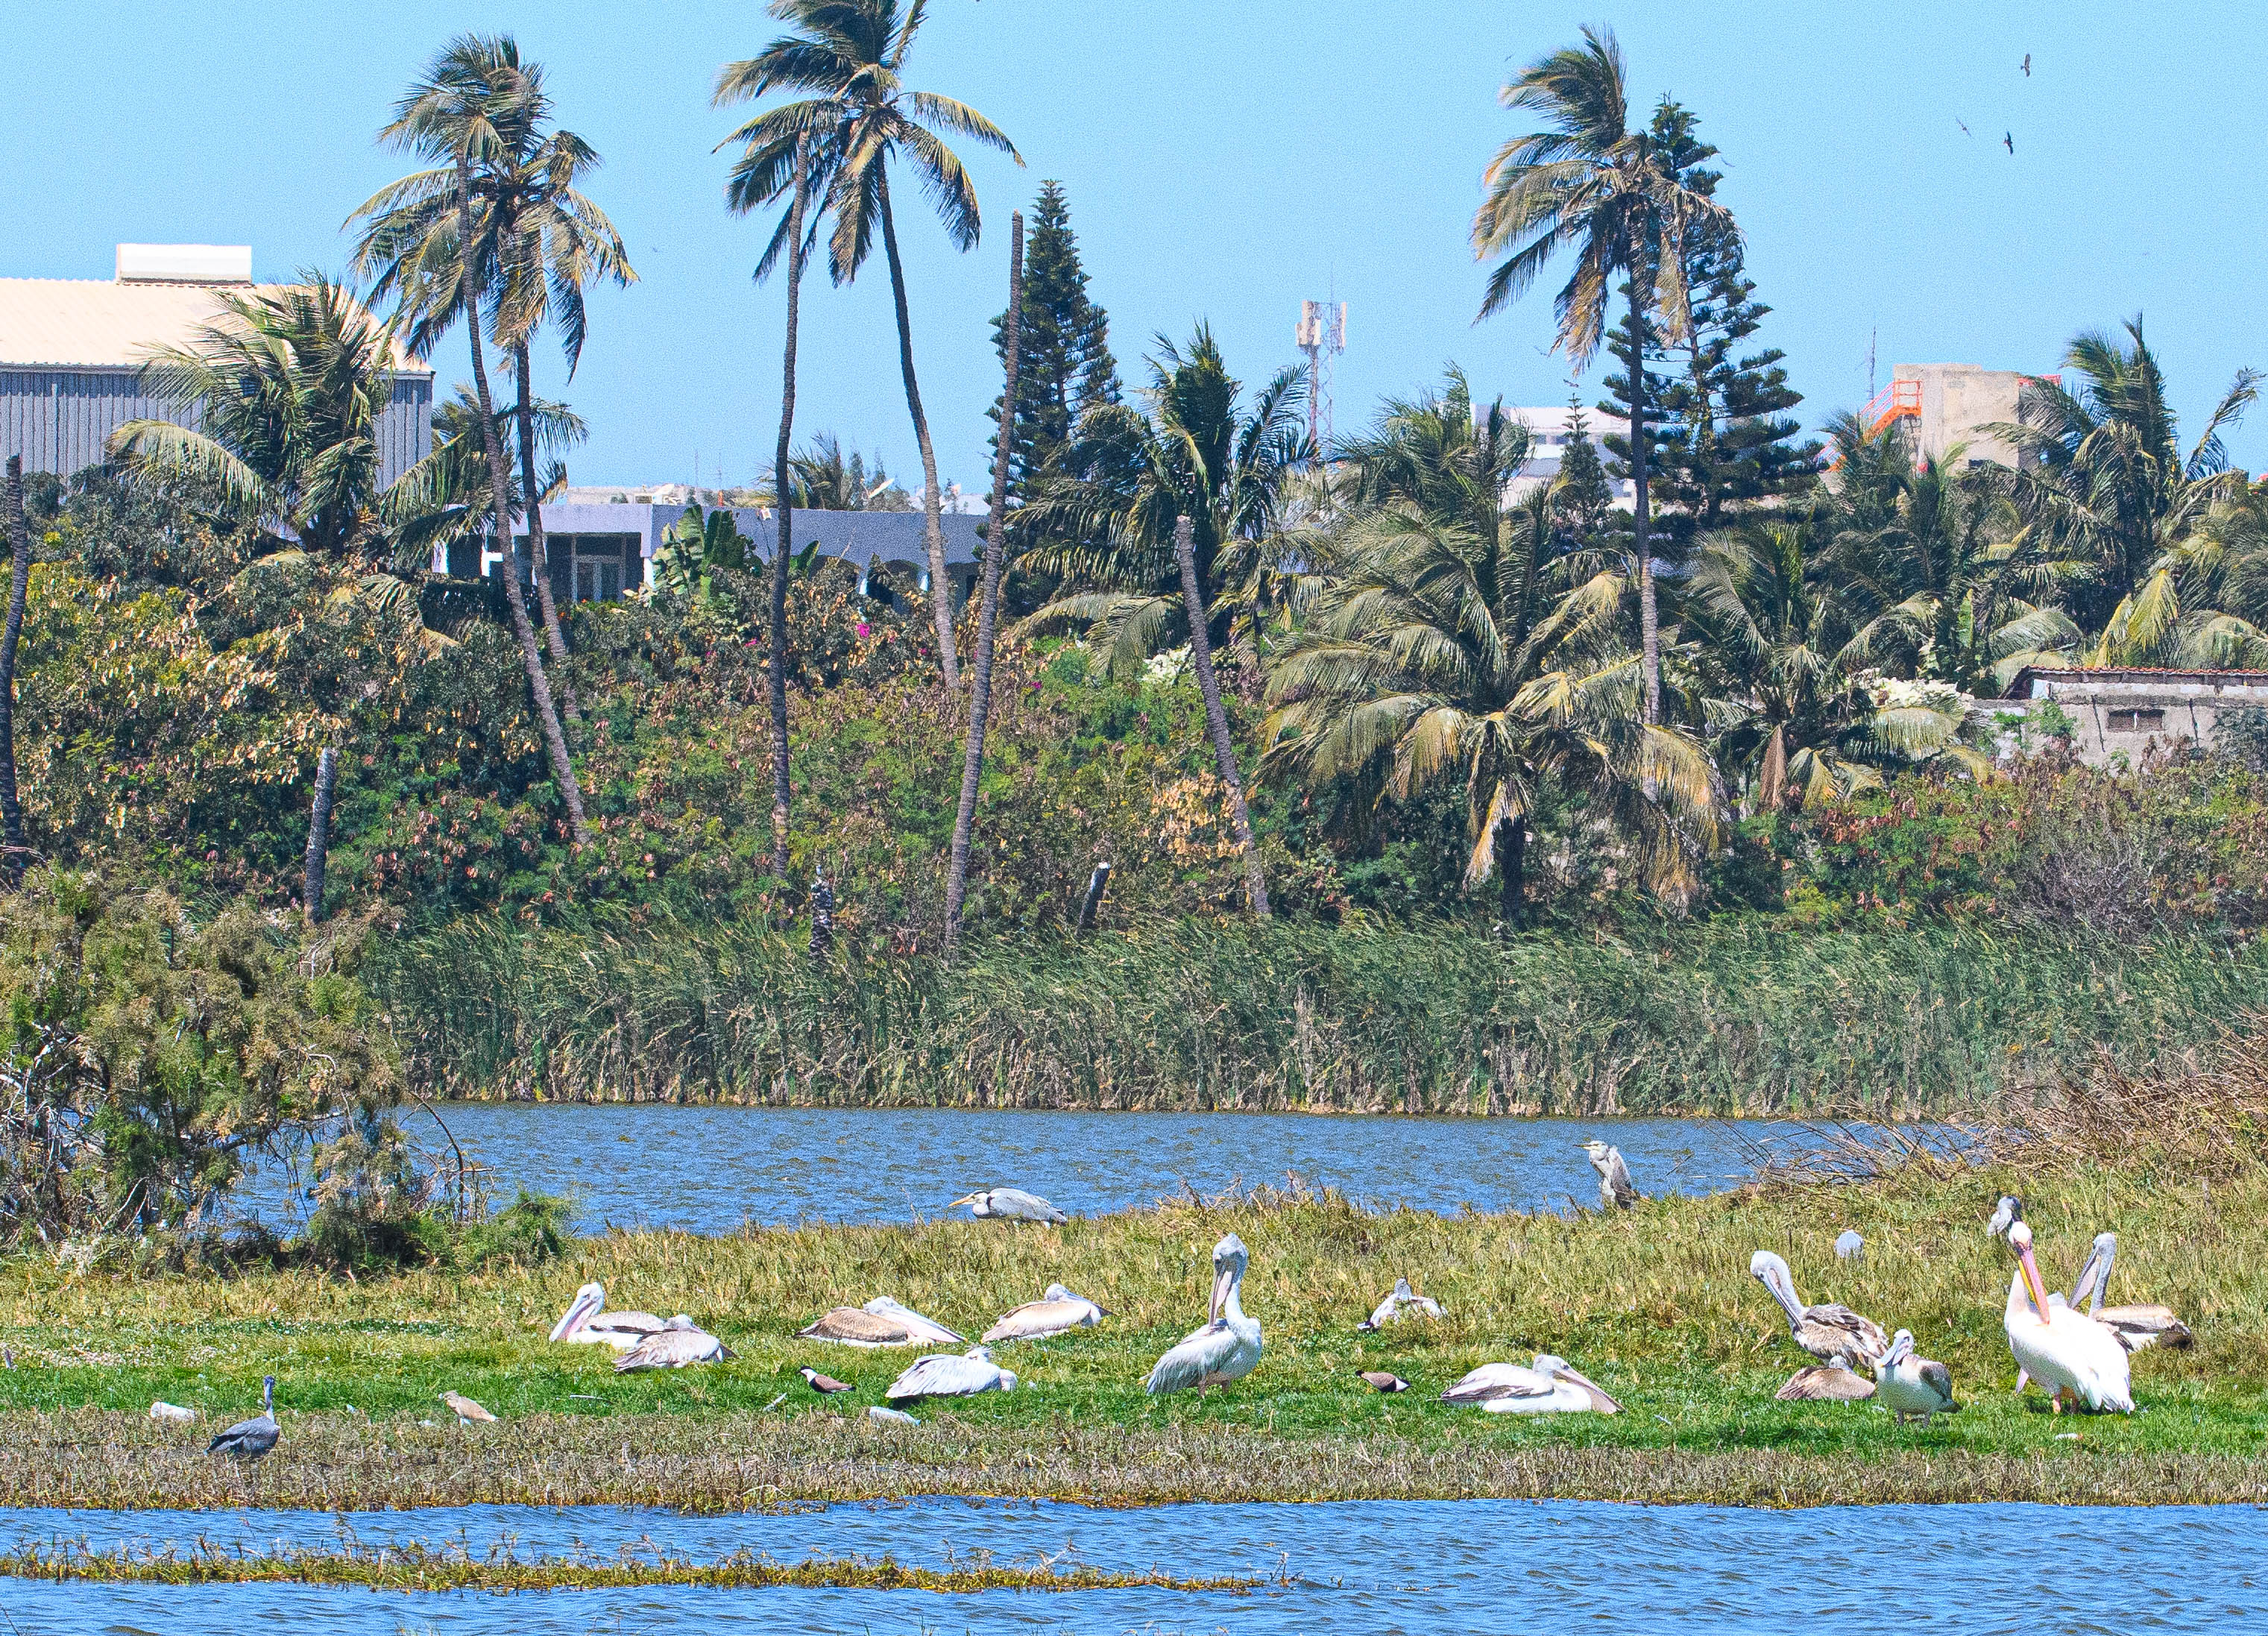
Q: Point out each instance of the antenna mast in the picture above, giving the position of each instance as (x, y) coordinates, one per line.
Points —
(1323, 337)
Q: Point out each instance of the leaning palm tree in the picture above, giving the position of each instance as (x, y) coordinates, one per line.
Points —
(445, 497)
(1589, 182)
(474, 110)
(851, 56)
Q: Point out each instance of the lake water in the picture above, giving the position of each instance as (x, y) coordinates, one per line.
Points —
(1371, 1566)
(712, 1169)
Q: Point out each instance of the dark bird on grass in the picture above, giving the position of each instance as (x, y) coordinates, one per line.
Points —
(673, 1346)
(2008, 140)
(1913, 1386)
(1401, 1300)
(1011, 1203)
(248, 1440)
(467, 1411)
(1832, 1381)
(2136, 1327)
(1822, 1331)
(1616, 1191)
(824, 1385)
(881, 1321)
(1381, 1380)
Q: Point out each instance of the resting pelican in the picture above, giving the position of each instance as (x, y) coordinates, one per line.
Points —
(249, 1439)
(467, 1411)
(1057, 1312)
(1402, 1299)
(2136, 1327)
(2062, 1349)
(1011, 1203)
(1381, 1380)
(1616, 1191)
(1832, 1381)
(881, 1321)
(1229, 1344)
(824, 1385)
(673, 1346)
(163, 1411)
(1554, 1386)
(1849, 1246)
(1824, 1331)
(1911, 1385)
(942, 1375)
(586, 1321)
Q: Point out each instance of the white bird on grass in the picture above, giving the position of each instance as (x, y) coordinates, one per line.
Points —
(1913, 1386)
(1824, 1331)
(675, 1344)
(2063, 1350)
(163, 1411)
(881, 1321)
(1849, 1246)
(1553, 1386)
(586, 1322)
(943, 1375)
(1228, 1346)
(1011, 1203)
(1615, 1190)
(1056, 1312)
(1401, 1299)
(891, 1417)
(249, 1439)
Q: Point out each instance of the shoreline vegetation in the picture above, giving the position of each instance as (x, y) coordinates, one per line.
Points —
(1735, 1018)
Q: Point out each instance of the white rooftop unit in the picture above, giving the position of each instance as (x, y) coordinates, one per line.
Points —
(184, 263)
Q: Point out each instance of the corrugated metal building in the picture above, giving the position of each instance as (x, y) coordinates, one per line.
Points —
(71, 352)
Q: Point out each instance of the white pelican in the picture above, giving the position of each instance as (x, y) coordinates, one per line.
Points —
(586, 1321)
(2061, 1349)
(881, 1321)
(1832, 1381)
(1381, 1380)
(675, 1344)
(467, 1410)
(2136, 1327)
(1552, 1386)
(1616, 1191)
(1011, 1203)
(163, 1411)
(248, 1440)
(1911, 1385)
(1402, 1299)
(1824, 1331)
(824, 1385)
(1849, 1246)
(1057, 1312)
(1229, 1344)
(941, 1374)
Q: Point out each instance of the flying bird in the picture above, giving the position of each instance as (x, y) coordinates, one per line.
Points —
(586, 1322)
(1400, 1299)
(2028, 65)
(1832, 1381)
(1228, 1347)
(1011, 1203)
(1964, 125)
(1913, 1386)
(1381, 1380)
(1056, 1312)
(467, 1411)
(942, 1375)
(2064, 1350)
(673, 1346)
(1552, 1386)
(1615, 1190)
(2008, 139)
(249, 1439)
(824, 1385)
(1824, 1331)
(881, 1321)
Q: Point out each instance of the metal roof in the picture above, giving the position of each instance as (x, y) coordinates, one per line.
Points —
(86, 323)
(2020, 688)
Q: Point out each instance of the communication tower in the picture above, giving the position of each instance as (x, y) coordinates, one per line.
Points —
(1323, 337)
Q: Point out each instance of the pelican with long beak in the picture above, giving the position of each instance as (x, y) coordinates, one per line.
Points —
(1056, 1312)
(674, 1345)
(1823, 1331)
(1554, 1386)
(941, 1375)
(587, 1322)
(1832, 1381)
(2064, 1350)
(2136, 1327)
(1228, 1346)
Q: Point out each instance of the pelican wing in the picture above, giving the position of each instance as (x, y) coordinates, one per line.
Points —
(1036, 1320)
(2137, 1328)
(1492, 1383)
(1200, 1356)
(948, 1376)
(1821, 1382)
(1938, 1379)
(855, 1326)
(1385, 1313)
(921, 1328)
(672, 1349)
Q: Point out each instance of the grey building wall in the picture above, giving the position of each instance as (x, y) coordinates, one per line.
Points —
(2128, 713)
(60, 420)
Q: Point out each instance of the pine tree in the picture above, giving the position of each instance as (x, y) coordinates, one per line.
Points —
(1064, 366)
(1585, 497)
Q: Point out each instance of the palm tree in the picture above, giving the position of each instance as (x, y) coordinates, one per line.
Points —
(852, 55)
(472, 110)
(445, 497)
(823, 478)
(1589, 182)
(1192, 449)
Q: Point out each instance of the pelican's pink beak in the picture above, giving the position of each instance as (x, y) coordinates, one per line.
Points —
(1221, 1278)
(585, 1307)
(2032, 1284)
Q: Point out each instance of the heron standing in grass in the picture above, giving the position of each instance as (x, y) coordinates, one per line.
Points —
(1228, 1346)
(1825, 1330)
(1616, 1191)
(250, 1440)
(1011, 1203)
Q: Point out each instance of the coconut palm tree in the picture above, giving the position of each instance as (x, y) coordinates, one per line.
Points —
(851, 56)
(475, 111)
(1590, 183)
(445, 497)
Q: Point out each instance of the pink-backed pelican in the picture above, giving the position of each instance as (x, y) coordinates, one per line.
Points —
(943, 1375)
(586, 1321)
(1553, 1386)
(1913, 1386)
(1228, 1346)
(1056, 1312)
(2136, 1327)
(673, 1346)
(2063, 1350)
(1832, 1381)
(881, 1321)
(1825, 1330)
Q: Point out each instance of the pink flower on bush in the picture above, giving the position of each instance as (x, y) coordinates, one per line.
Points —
(864, 629)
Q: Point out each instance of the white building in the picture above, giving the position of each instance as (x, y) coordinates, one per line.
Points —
(1551, 429)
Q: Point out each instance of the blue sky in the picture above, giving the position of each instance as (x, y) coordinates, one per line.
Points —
(1223, 161)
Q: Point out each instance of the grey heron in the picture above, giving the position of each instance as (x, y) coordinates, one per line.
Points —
(249, 1439)
(1616, 1191)
(1011, 1203)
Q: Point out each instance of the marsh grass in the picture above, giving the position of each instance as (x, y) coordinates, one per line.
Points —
(1726, 1017)
(1655, 1304)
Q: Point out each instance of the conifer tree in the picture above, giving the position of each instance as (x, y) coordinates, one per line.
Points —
(1065, 366)
(1585, 495)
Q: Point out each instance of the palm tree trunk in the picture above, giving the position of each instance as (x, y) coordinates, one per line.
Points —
(1255, 884)
(19, 576)
(1511, 867)
(941, 591)
(554, 637)
(783, 498)
(988, 603)
(547, 714)
(1648, 631)
(318, 831)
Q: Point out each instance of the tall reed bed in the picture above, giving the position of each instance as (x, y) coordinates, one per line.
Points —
(1738, 1017)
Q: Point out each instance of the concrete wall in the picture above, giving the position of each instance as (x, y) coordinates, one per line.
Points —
(2129, 718)
(1957, 402)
